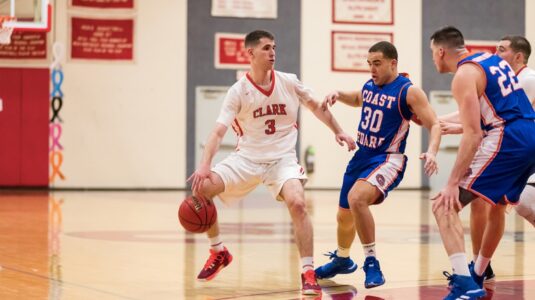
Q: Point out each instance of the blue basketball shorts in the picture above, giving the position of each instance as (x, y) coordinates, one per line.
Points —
(384, 171)
(503, 163)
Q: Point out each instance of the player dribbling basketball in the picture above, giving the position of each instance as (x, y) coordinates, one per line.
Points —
(262, 107)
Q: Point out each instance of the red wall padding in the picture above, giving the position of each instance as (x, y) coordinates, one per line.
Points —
(24, 126)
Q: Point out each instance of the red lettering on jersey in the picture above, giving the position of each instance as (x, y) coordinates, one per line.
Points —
(275, 109)
(268, 110)
(282, 108)
(272, 109)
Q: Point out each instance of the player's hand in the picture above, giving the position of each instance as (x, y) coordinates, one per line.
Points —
(450, 128)
(329, 100)
(430, 163)
(344, 138)
(198, 177)
(448, 197)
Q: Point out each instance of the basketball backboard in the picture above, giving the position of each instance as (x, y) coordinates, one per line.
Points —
(30, 15)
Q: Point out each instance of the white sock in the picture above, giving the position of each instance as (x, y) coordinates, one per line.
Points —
(343, 252)
(216, 244)
(459, 264)
(481, 265)
(526, 205)
(369, 249)
(475, 258)
(307, 263)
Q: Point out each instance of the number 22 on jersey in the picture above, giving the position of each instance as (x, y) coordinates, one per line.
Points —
(507, 80)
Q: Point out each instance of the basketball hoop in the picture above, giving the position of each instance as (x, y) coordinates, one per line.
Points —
(5, 32)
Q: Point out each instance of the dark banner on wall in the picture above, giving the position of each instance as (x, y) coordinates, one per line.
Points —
(106, 39)
(104, 3)
(25, 45)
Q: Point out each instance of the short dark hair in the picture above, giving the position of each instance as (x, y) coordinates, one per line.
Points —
(448, 36)
(253, 38)
(387, 48)
(519, 44)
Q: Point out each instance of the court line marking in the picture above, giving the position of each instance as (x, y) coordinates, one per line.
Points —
(4, 267)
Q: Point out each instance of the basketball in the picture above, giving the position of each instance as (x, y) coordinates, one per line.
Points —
(197, 214)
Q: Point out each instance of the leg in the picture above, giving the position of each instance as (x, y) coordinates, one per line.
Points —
(494, 231)
(340, 262)
(219, 255)
(293, 194)
(526, 205)
(210, 189)
(361, 196)
(479, 220)
(479, 213)
(451, 231)
(345, 228)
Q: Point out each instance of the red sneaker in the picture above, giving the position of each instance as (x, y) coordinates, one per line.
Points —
(310, 284)
(214, 264)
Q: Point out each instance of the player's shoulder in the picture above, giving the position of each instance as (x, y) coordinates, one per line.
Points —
(239, 87)
(528, 73)
(285, 76)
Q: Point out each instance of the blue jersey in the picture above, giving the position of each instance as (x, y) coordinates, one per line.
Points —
(504, 100)
(385, 119)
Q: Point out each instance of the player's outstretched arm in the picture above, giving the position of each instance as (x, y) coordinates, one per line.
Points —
(328, 119)
(210, 149)
(450, 128)
(353, 98)
(420, 106)
(450, 118)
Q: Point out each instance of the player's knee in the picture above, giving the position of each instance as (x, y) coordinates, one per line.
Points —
(297, 205)
(439, 212)
(357, 201)
(524, 210)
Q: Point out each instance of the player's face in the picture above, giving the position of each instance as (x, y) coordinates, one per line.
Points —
(382, 69)
(438, 55)
(263, 54)
(504, 51)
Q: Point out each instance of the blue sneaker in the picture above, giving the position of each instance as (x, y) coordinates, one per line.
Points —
(463, 287)
(478, 279)
(338, 265)
(374, 276)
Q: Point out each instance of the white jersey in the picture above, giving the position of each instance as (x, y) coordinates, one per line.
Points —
(526, 77)
(265, 120)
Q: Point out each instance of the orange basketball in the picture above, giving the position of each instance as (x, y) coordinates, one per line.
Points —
(197, 214)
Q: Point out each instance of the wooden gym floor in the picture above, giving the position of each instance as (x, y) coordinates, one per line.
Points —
(129, 245)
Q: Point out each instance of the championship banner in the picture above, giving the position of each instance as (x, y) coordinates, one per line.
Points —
(112, 4)
(349, 50)
(377, 12)
(104, 39)
(263, 9)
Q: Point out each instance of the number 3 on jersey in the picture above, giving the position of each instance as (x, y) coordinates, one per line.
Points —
(270, 126)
